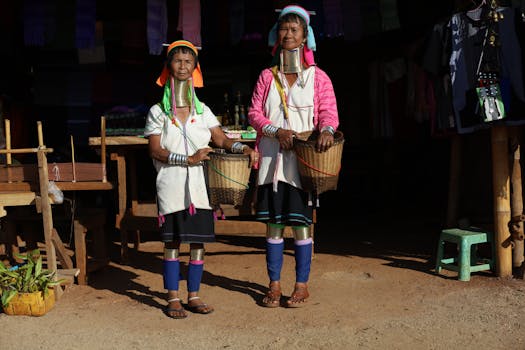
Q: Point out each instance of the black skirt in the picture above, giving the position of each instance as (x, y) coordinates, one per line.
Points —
(186, 228)
(288, 206)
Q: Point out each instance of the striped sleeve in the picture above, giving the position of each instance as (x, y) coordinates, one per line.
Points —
(325, 101)
(256, 114)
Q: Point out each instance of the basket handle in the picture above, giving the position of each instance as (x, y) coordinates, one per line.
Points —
(229, 178)
(318, 170)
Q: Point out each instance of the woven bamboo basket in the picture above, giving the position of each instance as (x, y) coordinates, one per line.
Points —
(228, 178)
(319, 171)
(31, 304)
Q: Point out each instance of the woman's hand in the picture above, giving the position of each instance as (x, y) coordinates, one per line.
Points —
(285, 137)
(254, 155)
(325, 140)
(199, 156)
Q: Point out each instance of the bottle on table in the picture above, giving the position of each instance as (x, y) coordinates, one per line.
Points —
(236, 118)
(226, 115)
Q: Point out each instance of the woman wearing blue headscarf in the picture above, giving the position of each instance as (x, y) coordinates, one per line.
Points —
(292, 96)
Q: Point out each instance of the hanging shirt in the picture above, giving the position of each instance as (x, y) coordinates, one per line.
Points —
(467, 38)
(176, 184)
(157, 25)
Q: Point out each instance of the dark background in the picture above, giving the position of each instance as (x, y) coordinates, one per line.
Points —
(403, 175)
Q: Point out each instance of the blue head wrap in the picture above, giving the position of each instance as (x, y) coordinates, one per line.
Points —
(298, 10)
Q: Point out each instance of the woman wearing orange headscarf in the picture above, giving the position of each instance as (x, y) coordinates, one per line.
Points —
(179, 129)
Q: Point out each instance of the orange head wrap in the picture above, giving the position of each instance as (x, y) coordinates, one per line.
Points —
(197, 73)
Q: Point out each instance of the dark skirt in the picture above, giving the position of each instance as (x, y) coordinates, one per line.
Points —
(288, 206)
(186, 228)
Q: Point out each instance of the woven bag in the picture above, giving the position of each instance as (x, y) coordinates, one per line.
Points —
(228, 178)
(319, 171)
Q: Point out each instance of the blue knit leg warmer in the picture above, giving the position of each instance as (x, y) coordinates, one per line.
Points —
(195, 270)
(274, 258)
(303, 260)
(171, 274)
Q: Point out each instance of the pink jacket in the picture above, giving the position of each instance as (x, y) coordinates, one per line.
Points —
(325, 104)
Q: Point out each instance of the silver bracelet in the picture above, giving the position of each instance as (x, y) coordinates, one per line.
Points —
(328, 128)
(237, 147)
(270, 130)
(177, 159)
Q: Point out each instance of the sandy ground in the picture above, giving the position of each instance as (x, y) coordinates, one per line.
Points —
(368, 290)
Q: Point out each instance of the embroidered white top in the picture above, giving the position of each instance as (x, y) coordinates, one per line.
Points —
(276, 165)
(178, 185)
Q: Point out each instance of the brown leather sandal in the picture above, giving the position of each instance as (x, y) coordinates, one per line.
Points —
(299, 296)
(200, 308)
(175, 312)
(273, 296)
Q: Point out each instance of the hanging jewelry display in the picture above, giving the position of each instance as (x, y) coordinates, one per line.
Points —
(488, 89)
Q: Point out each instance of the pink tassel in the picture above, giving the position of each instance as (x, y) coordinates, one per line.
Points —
(216, 217)
(192, 209)
(308, 56)
(161, 219)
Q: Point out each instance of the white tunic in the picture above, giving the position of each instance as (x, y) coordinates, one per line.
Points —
(282, 165)
(178, 186)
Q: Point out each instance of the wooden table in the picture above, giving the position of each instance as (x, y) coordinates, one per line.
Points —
(122, 147)
(20, 194)
(28, 184)
(133, 214)
(15, 198)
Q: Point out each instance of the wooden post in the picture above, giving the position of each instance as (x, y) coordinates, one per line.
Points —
(11, 227)
(73, 159)
(8, 158)
(80, 251)
(453, 184)
(7, 123)
(501, 197)
(47, 215)
(103, 147)
(134, 198)
(516, 206)
(122, 185)
(40, 135)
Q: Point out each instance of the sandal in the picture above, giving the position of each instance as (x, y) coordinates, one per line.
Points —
(201, 308)
(299, 296)
(180, 310)
(273, 296)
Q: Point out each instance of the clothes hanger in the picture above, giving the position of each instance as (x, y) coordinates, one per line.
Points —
(478, 5)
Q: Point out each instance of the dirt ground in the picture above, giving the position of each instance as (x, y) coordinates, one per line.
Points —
(370, 289)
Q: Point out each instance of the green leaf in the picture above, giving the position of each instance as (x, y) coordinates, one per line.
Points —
(7, 296)
(38, 267)
(21, 256)
(27, 275)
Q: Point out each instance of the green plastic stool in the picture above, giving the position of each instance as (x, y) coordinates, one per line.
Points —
(467, 260)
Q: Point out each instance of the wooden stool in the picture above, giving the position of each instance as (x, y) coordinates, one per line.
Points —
(467, 260)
